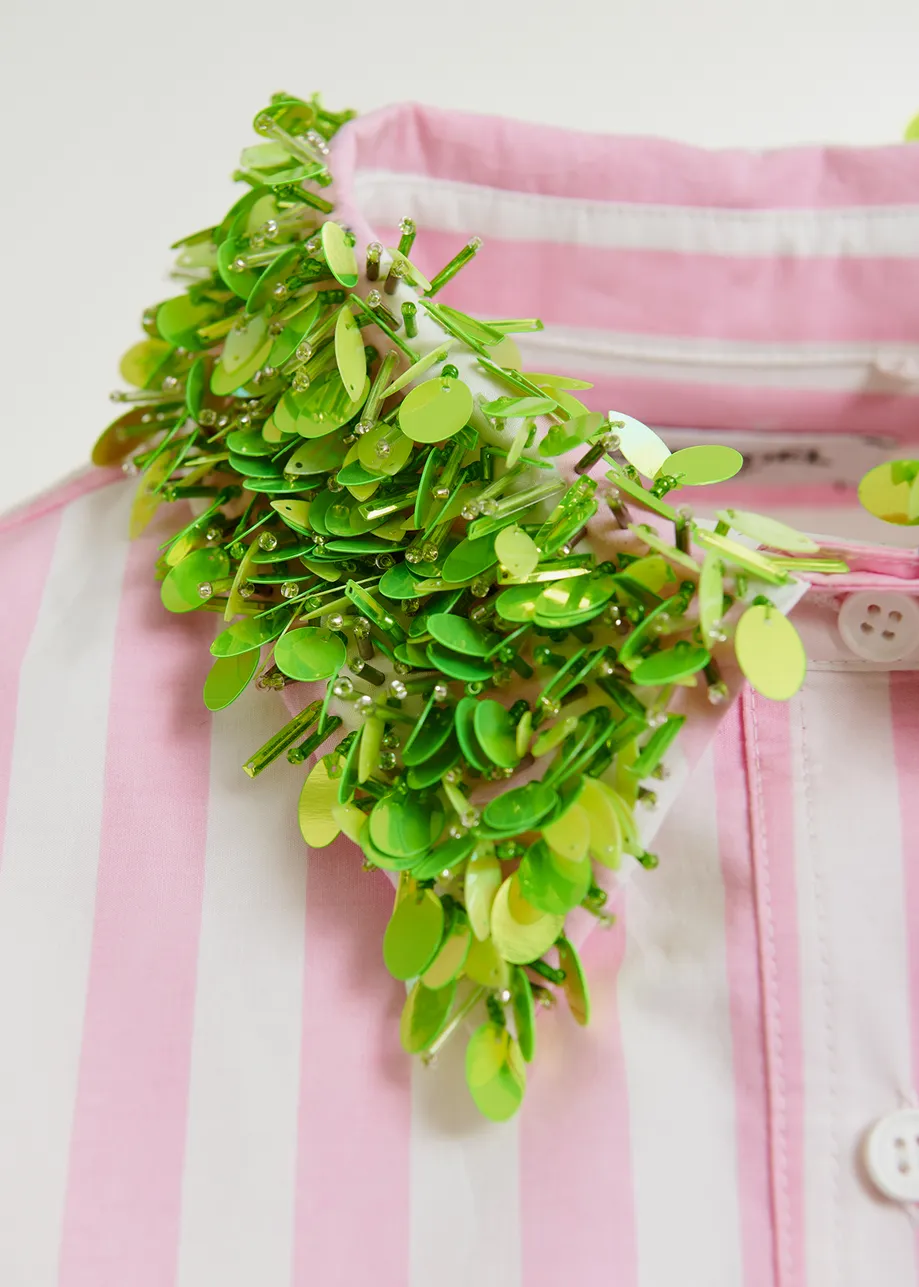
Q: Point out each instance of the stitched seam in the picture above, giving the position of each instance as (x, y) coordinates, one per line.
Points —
(774, 1045)
(826, 1002)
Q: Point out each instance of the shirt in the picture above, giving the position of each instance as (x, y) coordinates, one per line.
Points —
(201, 1080)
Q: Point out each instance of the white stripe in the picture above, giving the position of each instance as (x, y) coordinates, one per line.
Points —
(852, 936)
(48, 875)
(676, 1034)
(832, 368)
(240, 1160)
(451, 206)
(465, 1212)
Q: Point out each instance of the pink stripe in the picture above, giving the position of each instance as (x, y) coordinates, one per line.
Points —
(27, 554)
(747, 1021)
(351, 1208)
(655, 292)
(770, 766)
(522, 157)
(817, 301)
(576, 1198)
(121, 1221)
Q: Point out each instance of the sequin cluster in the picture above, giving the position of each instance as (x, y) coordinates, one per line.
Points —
(496, 702)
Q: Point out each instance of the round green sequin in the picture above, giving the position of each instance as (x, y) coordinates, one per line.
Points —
(428, 735)
(178, 320)
(250, 634)
(393, 460)
(317, 798)
(496, 733)
(481, 883)
(286, 343)
(470, 559)
(404, 825)
(309, 654)
(425, 1015)
(413, 934)
(436, 409)
(456, 665)
(349, 353)
(451, 854)
(521, 808)
(224, 382)
(670, 665)
(495, 1072)
(517, 552)
(703, 464)
(122, 436)
(452, 953)
(770, 653)
(433, 768)
(295, 514)
(518, 603)
(398, 583)
(640, 445)
(486, 965)
(464, 719)
(255, 466)
(606, 838)
(180, 590)
(461, 635)
(891, 492)
(520, 931)
(317, 456)
(562, 601)
(240, 280)
(339, 254)
(276, 274)
(569, 833)
(551, 884)
(227, 678)
(327, 405)
(524, 1013)
(143, 361)
(243, 442)
(575, 984)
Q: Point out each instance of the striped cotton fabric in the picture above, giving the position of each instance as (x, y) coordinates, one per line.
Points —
(200, 1080)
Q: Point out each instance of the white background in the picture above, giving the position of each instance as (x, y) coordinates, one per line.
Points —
(121, 123)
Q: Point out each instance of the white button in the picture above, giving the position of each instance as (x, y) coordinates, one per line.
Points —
(892, 1155)
(880, 627)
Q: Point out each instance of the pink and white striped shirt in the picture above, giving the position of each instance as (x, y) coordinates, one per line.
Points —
(200, 1076)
